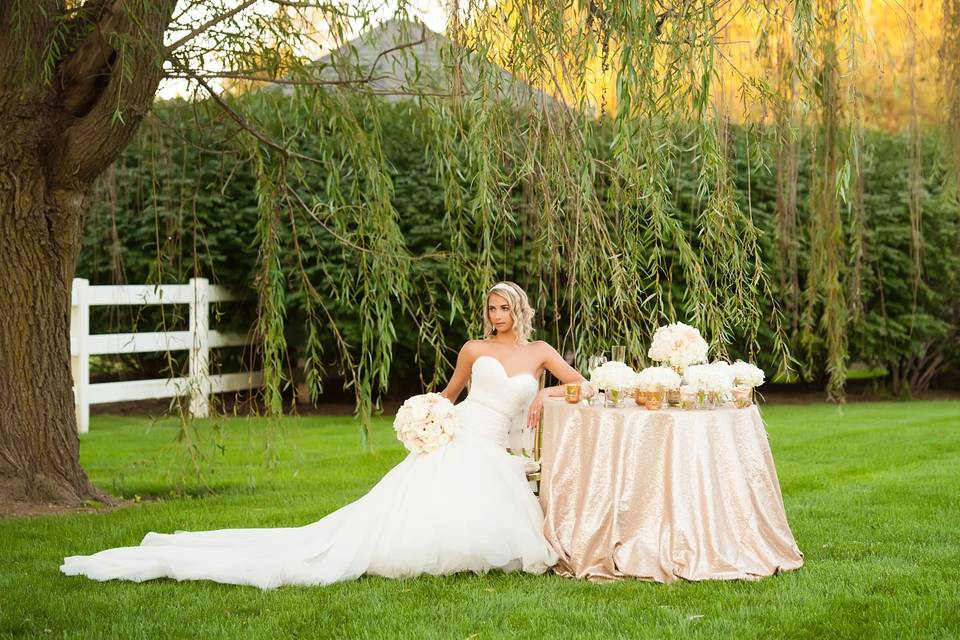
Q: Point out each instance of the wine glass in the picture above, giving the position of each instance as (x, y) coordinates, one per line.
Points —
(592, 363)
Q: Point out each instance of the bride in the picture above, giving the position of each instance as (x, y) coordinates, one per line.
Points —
(465, 507)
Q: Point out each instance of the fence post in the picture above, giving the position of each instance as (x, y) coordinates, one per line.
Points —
(80, 351)
(200, 348)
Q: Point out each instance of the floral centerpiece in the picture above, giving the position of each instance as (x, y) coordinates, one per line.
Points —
(678, 345)
(425, 423)
(658, 379)
(746, 376)
(712, 381)
(721, 380)
(653, 383)
(615, 378)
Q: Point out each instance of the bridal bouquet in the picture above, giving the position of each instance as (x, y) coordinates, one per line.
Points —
(658, 379)
(678, 345)
(614, 375)
(426, 423)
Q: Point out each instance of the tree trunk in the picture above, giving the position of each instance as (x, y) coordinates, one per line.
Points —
(39, 237)
(59, 132)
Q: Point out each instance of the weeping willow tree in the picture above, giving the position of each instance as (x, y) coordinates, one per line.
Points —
(511, 127)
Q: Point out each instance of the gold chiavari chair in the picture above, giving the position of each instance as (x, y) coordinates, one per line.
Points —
(533, 476)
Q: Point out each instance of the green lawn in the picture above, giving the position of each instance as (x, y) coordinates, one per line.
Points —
(872, 494)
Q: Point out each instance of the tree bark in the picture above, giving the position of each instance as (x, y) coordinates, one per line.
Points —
(39, 447)
(58, 135)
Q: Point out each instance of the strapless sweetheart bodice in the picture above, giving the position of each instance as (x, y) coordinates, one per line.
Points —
(495, 400)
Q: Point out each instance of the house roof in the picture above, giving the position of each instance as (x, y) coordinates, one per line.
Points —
(404, 59)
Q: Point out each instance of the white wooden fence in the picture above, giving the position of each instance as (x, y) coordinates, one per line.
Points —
(198, 340)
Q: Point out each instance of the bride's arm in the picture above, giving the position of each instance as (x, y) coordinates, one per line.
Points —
(555, 364)
(461, 374)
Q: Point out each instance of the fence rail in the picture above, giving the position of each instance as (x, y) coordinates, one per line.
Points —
(198, 340)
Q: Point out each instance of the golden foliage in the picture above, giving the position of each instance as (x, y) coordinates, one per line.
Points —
(892, 33)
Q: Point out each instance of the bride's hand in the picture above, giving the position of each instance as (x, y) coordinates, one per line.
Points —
(536, 409)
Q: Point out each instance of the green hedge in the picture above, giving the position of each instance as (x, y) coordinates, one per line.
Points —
(179, 203)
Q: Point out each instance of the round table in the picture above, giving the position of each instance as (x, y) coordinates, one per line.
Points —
(661, 495)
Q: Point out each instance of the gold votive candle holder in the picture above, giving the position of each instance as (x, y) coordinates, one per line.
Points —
(673, 397)
(654, 400)
(742, 396)
(649, 399)
(572, 392)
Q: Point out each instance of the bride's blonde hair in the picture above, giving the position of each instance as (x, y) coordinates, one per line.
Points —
(520, 310)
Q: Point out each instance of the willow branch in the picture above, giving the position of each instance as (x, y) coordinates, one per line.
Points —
(233, 75)
(207, 25)
(238, 118)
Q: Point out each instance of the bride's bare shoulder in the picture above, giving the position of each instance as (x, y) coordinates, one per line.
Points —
(546, 354)
(472, 348)
(542, 346)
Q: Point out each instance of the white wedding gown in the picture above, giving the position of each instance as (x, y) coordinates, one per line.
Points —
(466, 507)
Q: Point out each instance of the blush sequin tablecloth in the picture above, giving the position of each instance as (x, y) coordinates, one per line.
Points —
(662, 495)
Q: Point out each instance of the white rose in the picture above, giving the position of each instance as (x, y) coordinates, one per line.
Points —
(420, 412)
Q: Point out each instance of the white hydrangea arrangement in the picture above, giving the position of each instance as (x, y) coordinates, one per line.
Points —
(709, 378)
(678, 345)
(658, 378)
(722, 375)
(747, 374)
(426, 422)
(613, 375)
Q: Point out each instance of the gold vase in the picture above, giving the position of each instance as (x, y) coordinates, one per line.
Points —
(673, 395)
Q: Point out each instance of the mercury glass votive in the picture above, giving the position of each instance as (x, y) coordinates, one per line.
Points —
(653, 399)
(572, 392)
(640, 396)
(742, 396)
(673, 397)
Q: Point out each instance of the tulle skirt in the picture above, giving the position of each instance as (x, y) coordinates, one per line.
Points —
(466, 507)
